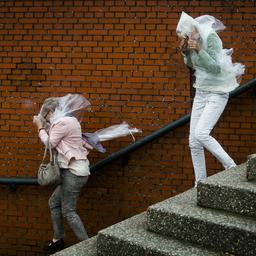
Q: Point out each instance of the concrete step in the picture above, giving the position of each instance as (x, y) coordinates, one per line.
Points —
(229, 190)
(131, 238)
(180, 217)
(251, 167)
(84, 248)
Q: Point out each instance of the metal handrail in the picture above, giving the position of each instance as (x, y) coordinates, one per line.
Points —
(12, 182)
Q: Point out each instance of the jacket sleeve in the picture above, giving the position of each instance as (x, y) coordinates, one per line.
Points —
(208, 60)
(56, 133)
(43, 136)
(187, 59)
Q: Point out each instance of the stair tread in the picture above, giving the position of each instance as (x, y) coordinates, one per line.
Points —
(233, 178)
(182, 218)
(229, 190)
(84, 248)
(133, 231)
(186, 204)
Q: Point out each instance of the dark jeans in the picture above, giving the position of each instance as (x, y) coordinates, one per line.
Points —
(62, 203)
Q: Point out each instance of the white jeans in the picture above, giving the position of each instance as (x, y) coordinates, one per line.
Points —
(206, 110)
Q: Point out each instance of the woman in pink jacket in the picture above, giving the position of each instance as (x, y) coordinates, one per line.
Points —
(64, 134)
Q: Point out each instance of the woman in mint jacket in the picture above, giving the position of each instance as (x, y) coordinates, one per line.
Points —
(216, 76)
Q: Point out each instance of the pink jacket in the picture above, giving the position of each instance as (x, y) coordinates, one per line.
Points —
(66, 136)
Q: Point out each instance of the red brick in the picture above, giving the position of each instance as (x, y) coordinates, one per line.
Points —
(122, 56)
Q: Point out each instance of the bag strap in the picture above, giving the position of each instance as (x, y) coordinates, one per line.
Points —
(48, 147)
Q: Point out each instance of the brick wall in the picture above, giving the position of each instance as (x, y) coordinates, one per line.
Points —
(122, 56)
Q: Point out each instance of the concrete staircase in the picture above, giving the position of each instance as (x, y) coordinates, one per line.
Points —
(217, 218)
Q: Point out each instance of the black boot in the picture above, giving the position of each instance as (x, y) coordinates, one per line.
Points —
(53, 247)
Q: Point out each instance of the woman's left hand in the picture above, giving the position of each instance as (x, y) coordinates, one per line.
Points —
(194, 45)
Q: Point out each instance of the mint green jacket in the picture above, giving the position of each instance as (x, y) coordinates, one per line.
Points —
(210, 72)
